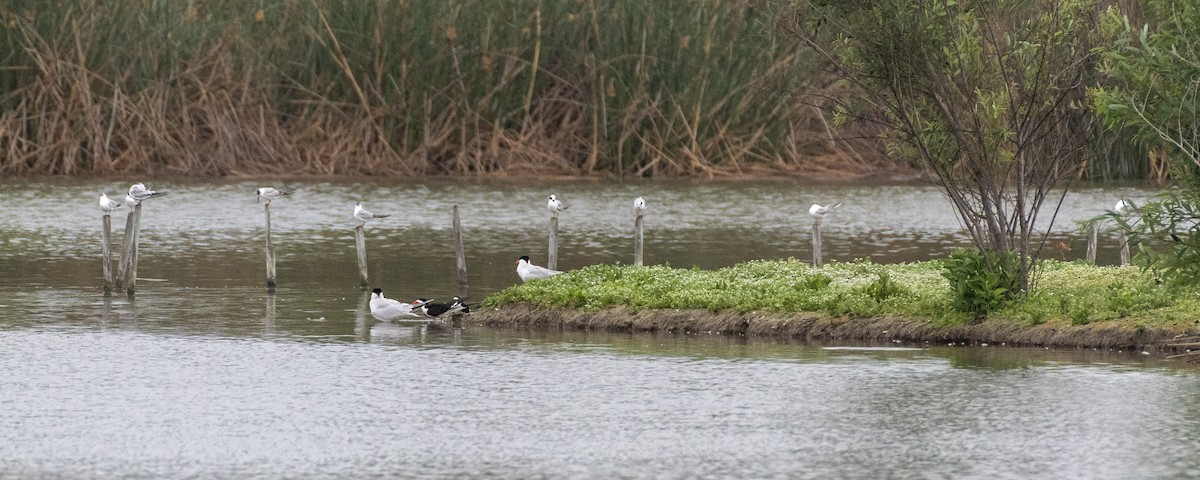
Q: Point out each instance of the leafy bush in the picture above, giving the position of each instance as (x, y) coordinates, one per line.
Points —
(981, 282)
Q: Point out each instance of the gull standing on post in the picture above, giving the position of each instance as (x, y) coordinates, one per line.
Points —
(819, 211)
(528, 271)
(386, 309)
(107, 205)
(268, 194)
(363, 215)
(139, 192)
(555, 205)
(639, 205)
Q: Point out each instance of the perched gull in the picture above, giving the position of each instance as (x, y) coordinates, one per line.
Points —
(139, 192)
(107, 204)
(555, 205)
(363, 215)
(130, 202)
(439, 310)
(528, 271)
(639, 204)
(268, 194)
(386, 309)
(819, 211)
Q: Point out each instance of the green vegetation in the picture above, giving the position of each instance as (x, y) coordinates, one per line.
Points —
(227, 87)
(986, 96)
(1069, 293)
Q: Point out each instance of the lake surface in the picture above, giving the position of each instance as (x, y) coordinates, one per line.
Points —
(203, 374)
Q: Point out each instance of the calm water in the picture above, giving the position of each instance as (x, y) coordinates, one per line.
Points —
(204, 375)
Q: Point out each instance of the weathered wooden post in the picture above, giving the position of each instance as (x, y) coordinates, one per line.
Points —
(360, 243)
(1093, 237)
(106, 251)
(1124, 248)
(270, 249)
(816, 241)
(639, 209)
(460, 255)
(126, 250)
(131, 273)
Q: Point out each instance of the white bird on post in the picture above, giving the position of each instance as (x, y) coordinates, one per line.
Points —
(639, 205)
(363, 215)
(107, 205)
(555, 205)
(139, 192)
(268, 194)
(818, 211)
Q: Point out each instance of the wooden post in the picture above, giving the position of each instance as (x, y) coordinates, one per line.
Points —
(1124, 249)
(270, 251)
(126, 250)
(552, 258)
(460, 255)
(360, 242)
(131, 274)
(637, 238)
(1091, 246)
(106, 251)
(816, 240)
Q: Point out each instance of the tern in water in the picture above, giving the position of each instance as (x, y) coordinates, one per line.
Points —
(386, 309)
(639, 204)
(268, 194)
(107, 204)
(528, 271)
(819, 211)
(555, 205)
(363, 215)
(139, 192)
(439, 310)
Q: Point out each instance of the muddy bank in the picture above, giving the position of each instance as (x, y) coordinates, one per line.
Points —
(811, 326)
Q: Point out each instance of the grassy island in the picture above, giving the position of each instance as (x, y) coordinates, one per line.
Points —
(1073, 303)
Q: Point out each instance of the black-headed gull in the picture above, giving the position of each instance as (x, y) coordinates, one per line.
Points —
(363, 215)
(555, 205)
(438, 310)
(639, 205)
(107, 205)
(819, 211)
(386, 309)
(268, 194)
(139, 192)
(528, 271)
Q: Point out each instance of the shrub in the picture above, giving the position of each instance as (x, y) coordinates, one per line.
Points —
(981, 282)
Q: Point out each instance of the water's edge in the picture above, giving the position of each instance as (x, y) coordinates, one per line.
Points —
(817, 327)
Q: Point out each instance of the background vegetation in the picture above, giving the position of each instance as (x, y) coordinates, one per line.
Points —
(516, 87)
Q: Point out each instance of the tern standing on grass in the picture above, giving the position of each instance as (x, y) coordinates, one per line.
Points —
(528, 271)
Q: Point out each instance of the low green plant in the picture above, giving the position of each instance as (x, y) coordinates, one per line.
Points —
(883, 287)
(981, 282)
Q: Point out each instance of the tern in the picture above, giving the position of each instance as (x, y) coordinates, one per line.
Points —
(268, 194)
(139, 192)
(439, 310)
(130, 202)
(107, 204)
(1123, 207)
(819, 211)
(386, 309)
(528, 271)
(363, 215)
(639, 204)
(555, 205)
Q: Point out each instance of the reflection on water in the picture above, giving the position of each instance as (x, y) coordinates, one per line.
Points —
(204, 374)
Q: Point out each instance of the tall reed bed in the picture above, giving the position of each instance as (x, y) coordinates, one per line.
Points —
(227, 87)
